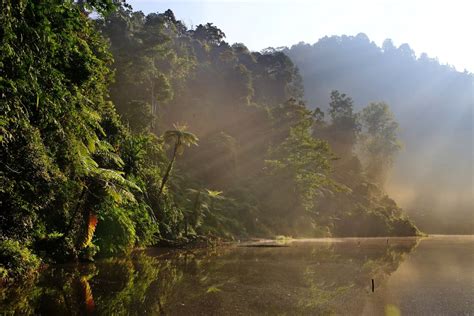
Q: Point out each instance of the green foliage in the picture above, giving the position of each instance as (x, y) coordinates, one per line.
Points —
(77, 167)
(54, 75)
(181, 139)
(60, 143)
(379, 141)
(344, 126)
(16, 261)
(116, 232)
(431, 100)
(56, 247)
(301, 162)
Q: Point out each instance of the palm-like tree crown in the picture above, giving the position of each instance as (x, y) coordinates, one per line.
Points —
(180, 137)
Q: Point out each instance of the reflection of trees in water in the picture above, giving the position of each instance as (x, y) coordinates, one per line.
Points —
(55, 292)
(303, 278)
(343, 285)
(110, 287)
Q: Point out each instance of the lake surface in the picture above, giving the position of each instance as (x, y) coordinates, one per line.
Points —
(427, 276)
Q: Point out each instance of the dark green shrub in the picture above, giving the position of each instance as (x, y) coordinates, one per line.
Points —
(56, 248)
(115, 232)
(16, 261)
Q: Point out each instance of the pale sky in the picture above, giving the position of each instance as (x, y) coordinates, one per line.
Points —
(442, 29)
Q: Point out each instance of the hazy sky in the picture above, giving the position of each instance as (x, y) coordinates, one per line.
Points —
(443, 29)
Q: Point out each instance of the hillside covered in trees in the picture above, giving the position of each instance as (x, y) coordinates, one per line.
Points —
(126, 130)
(433, 103)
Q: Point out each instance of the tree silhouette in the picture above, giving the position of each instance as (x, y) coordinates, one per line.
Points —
(181, 139)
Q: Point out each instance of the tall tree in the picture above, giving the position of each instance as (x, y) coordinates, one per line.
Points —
(379, 140)
(181, 139)
(299, 166)
(344, 127)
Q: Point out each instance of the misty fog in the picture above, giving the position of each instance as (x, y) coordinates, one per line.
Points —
(151, 165)
(433, 103)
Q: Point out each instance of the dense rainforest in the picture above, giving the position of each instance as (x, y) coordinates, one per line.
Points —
(432, 177)
(121, 130)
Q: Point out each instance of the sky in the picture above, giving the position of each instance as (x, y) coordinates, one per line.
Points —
(442, 29)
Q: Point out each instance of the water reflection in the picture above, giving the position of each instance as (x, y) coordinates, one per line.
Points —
(307, 277)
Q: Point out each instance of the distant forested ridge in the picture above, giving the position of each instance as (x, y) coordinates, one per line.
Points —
(133, 130)
(433, 104)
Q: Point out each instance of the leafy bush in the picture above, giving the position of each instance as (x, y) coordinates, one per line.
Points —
(16, 261)
(56, 248)
(404, 227)
(115, 232)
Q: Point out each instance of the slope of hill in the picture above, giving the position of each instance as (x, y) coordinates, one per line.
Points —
(433, 103)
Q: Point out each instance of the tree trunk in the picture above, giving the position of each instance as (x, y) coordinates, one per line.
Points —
(72, 220)
(153, 109)
(195, 207)
(185, 225)
(168, 170)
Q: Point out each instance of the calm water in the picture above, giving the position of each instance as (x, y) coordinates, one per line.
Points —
(433, 275)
